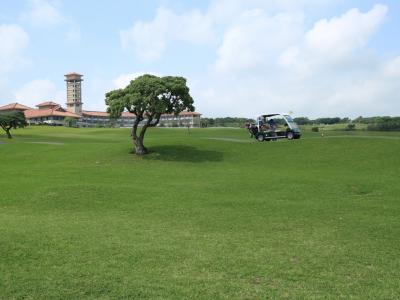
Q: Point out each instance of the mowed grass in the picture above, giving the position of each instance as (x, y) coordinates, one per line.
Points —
(208, 215)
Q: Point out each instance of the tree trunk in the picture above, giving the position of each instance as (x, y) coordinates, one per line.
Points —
(140, 149)
(8, 133)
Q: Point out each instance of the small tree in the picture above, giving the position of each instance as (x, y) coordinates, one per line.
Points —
(148, 97)
(12, 120)
(70, 122)
(350, 127)
(315, 129)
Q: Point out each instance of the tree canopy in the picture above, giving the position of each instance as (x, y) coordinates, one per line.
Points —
(148, 97)
(12, 120)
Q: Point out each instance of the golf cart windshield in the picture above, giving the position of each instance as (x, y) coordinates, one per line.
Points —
(289, 118)
(291, 122)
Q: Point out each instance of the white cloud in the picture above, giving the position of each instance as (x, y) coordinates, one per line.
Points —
(345, 34)
(47, 14)
(43, 13)
(14, 40)
(268, 58)
(149, 40)
(123, 80)
(273, 64)
(392, 68)
(252, 43)
(334, 42)
(40, 90)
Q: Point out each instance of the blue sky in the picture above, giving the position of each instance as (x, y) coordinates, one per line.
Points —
(241, 57)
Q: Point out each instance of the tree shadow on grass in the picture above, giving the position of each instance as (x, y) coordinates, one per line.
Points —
(183, 153)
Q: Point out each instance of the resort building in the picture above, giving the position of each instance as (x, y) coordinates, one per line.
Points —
(74, 92)
(13, 107)
(51, 113)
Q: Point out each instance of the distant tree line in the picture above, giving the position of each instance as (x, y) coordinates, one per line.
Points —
(325, 121)
(225, 122)
(380, 123)
(373, 123)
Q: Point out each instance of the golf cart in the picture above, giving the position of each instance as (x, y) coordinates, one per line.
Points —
(272, 127)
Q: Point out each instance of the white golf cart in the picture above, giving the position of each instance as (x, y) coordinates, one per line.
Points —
(272, 127)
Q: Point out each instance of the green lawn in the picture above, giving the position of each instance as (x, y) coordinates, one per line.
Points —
(209, 215)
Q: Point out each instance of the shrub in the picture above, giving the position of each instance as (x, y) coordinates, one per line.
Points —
(350, 127)
(385, 124)
(315, 129)
(70, 122)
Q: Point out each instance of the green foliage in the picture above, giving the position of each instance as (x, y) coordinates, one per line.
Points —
(326, 121)
(315, 129)
(385, 124)
(350, 127)
(371, 120)
(12, 120)
(225, 122)
(302, 121)
(70, 122)
(148, 97)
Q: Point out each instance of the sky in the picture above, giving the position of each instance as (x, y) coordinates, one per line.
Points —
(314, 58)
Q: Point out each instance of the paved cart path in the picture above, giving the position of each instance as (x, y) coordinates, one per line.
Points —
(46, 143)
(231, 140)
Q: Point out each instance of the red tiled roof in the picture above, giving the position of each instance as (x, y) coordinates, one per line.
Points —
(48, 103)
(14, 106)
(73, 73)
(190, 113)
(59, 108)
(38, 113)
(185, 113)
(104, 114)
(95, 113)
(128, 114)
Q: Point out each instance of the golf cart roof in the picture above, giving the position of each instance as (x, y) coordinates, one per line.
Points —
(272, 115)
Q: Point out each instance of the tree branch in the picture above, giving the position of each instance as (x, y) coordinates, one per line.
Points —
(145, 126)
(157, 120)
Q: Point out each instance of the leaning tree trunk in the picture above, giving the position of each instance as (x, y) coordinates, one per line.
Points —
(140, 149)
(138, 146)
(8, 133)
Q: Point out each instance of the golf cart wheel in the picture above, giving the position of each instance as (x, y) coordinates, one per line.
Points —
(290, 135)
(260, 138)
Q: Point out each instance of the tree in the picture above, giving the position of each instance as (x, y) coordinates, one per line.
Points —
(148, 97)
(70, 122)
(12, 120)
(302, 120)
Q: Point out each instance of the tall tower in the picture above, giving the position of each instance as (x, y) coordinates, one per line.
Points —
(74, 92)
